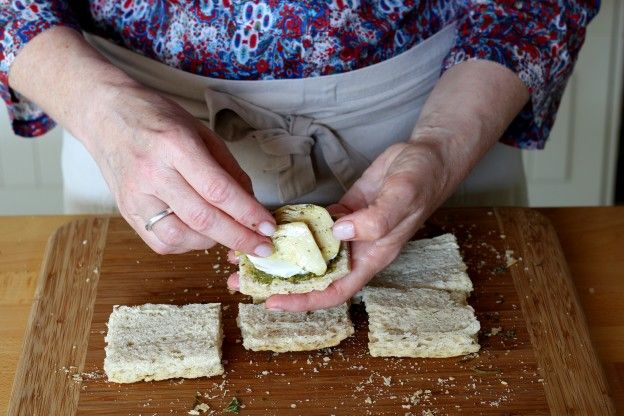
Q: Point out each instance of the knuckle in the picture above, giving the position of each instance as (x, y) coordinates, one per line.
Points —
(242, 242)
(202, 219)
(172, 235)
(250, 215)
(377, 226)
(217, 189)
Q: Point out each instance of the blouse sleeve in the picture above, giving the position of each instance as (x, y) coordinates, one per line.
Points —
(539, 41)
(20, 21)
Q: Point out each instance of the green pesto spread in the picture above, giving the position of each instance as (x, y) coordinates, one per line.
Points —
(266, 279)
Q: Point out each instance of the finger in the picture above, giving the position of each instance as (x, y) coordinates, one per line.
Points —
(233, 282)
(232, 257)
(208, 220)
(395, 203)
(220, 151)
(215, 185)
(169, 235)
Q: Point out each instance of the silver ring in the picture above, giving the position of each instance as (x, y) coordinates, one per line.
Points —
(153, 220)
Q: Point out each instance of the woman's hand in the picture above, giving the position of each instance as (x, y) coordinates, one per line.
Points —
(468, 110)
(152, 153)
(379, 214)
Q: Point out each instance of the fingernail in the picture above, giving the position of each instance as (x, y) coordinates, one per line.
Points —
(272, 309)
(263, 250)
(266, 228)
(344, 230)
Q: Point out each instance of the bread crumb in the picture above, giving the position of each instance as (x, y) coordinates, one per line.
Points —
(293, 405)
(509, 258)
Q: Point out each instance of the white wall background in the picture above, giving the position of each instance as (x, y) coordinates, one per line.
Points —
(30, 172)
(577, 167)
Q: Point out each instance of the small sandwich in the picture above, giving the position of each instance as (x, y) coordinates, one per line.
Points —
(306, 255)
(157, 342)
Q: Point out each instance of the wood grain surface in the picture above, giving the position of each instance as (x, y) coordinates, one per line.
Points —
(507, 376)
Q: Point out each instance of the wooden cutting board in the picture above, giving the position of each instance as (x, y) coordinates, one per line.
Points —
(536, 356)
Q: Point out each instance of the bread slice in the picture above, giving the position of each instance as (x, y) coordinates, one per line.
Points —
(434, 263)
(418, 323)
(157, 342)
(265, 330)
(265, 285)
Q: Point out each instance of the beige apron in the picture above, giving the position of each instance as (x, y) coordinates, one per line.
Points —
(303, 140)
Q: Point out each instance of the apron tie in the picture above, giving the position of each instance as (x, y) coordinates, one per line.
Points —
(286, 141)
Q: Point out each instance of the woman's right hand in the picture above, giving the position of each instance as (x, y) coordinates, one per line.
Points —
(152, 153)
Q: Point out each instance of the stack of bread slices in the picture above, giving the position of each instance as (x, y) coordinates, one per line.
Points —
(417, 306)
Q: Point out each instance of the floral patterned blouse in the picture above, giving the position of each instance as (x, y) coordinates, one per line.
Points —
(263, 39)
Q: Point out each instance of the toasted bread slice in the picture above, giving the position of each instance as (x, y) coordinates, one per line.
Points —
(157, 342)
(434, 263)
(418, 323)
(265, 330)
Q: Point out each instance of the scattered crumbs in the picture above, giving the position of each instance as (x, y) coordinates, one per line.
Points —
(509, 258)
(494, 331)
(185, 290)
(368, 400)
(499, 270)
(326, 359)
(387, 380)
(504, 383)
(510, 334)
(293, 405)
(503, 236)
(84, 242)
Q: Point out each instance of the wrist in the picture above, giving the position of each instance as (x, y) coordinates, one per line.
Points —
(66, 77)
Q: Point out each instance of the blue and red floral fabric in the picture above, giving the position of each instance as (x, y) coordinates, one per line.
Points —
(265, 39)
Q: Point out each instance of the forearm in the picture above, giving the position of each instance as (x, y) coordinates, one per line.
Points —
(466, 113)
(64, 75)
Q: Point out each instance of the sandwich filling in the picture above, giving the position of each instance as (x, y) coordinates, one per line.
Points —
(304, 246)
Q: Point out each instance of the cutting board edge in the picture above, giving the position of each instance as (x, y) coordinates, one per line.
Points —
(581, 346)
(20, 389)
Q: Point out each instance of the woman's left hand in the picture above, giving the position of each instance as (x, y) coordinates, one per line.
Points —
(379, 214)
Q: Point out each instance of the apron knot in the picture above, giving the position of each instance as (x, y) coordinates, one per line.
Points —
(287, 142)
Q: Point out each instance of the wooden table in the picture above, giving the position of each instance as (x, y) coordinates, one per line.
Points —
(592, 239)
